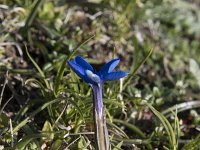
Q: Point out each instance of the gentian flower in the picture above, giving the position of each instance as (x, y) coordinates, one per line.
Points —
(96, 79)
(85, 71)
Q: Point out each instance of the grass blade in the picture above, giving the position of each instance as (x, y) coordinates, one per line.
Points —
(131, 74)
(38, 68)
(32, 14)
(59, 76)
(27, 139)
(76, 49)
(167, 126)
(25, 121)
(38, 83)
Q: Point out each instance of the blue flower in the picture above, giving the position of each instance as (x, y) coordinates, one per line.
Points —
(86, 72)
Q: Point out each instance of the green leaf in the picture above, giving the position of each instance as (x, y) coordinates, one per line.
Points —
(48, 130)
(81, 143)
(47, 11)
(118, 146)
(26, 140)
(193, 145)
(56, 145)
(195, 70)
(3, 121)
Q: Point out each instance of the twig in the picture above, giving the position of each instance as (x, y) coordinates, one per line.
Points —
(65, 107)
(11, 132)
(4, 85)
(6, 104)
(181, 107)
(73, 142)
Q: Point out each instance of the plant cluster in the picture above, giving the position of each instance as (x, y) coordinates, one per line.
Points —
(45, 105)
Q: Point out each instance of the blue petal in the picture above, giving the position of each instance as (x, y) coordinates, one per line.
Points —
(80, 71)
(108, 67)
(114, 75)
(80, 61)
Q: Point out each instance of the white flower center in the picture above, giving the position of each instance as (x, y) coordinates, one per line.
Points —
(92, 76)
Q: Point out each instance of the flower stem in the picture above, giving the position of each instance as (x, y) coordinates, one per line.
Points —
(101, 132)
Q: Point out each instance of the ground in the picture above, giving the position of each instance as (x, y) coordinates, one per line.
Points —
(44, 105)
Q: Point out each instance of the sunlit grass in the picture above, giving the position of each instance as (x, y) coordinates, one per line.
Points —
(43, 105)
